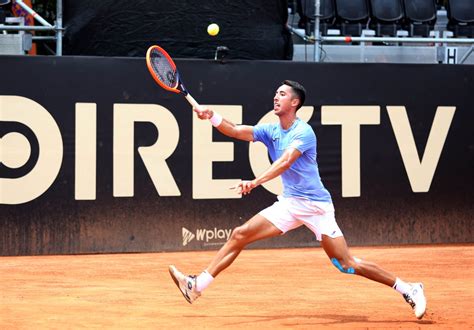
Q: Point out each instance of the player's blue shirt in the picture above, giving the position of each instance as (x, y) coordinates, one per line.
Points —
(302, 178)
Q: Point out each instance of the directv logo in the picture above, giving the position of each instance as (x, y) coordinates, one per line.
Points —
(187, 236)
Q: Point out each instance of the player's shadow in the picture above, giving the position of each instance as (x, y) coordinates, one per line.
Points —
(320, 319)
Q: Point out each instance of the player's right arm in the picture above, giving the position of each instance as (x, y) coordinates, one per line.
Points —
(226, 127)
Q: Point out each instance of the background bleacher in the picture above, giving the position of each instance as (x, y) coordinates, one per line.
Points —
(388, 19)
(385, 17)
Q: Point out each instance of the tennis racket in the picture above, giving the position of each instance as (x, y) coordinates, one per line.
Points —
(164, 72)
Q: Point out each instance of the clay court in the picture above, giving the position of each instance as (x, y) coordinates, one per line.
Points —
(280, 288)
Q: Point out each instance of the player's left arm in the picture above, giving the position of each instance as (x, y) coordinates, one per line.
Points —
(279, 166)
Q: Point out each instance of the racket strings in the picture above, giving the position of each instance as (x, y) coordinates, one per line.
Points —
(163, 69)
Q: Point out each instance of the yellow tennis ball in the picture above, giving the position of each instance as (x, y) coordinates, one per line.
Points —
(213, 29)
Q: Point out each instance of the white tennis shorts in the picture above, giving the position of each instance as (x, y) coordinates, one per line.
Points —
(289, 213)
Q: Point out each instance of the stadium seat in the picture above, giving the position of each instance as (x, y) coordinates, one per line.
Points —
(387, 17)
(461, 18)
(327, 11)
(352, 16)
(420, 17)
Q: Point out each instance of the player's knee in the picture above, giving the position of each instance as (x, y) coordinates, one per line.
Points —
(348, 266)
(239, 235)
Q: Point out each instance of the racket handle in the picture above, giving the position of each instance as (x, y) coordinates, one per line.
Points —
(192, 101)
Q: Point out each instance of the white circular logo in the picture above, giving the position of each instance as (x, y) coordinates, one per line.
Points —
(15, 150)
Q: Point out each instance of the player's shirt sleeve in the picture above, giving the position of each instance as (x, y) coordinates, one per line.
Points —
(303, 140)
(262, 133)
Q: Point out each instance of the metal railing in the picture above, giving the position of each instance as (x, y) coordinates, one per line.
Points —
(57, 28)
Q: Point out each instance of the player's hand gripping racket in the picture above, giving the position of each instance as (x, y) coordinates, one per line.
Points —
(164, 71)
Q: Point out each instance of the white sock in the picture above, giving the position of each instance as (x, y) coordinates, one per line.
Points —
(401, 286)
(203, 281)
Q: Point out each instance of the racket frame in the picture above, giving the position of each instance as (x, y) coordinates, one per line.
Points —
(179, 88)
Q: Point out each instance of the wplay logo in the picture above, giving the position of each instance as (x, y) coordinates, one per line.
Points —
(206, 235)
(187, 236)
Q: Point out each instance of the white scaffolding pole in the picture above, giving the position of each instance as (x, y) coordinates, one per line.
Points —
(33, 13)
(317, 37)
(46, 26)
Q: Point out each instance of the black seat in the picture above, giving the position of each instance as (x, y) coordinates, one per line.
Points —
(327, 12)
(461, 18)
(420, 17)
(352, 16)
(387, 17)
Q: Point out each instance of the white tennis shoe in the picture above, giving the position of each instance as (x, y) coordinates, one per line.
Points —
(416, 299)
(186, 284)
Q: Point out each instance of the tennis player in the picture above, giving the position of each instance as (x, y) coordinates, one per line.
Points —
(305, 201)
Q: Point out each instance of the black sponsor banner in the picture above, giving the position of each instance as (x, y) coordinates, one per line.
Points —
(254, 29)
(95, 157)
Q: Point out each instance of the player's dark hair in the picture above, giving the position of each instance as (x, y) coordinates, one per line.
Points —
(297, 89)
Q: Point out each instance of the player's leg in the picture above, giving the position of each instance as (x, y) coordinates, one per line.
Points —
(337, 250)
(257, 228)
(272, 221)
(320, 218)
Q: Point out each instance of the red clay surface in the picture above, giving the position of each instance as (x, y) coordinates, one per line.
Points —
(283, 288)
